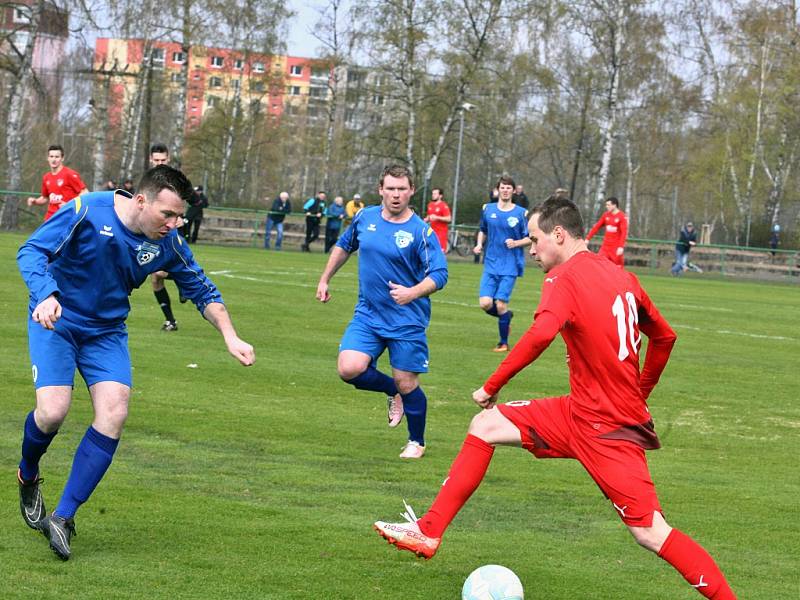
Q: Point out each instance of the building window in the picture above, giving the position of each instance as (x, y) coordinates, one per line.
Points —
(235, 83)
(258, 67)
(257, 86)
(157, 57)
(212, 101)
(238, 64)
(217, 62)
(215, 82)
(22, 15)
(312, 112)
(175, 77)
(294, 90)
(179, 57)
(296, 70)
(377, 99)
(319, 73)
(354, 77)
(196, 76)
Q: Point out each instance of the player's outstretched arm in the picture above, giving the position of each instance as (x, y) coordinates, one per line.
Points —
(34, 200)
(216, 314)
(337, 258)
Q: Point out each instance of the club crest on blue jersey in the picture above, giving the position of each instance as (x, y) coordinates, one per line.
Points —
(146, 253)
(512, 221)
(403, 239)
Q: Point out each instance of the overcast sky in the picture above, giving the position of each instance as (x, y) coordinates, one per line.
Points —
(301, 42)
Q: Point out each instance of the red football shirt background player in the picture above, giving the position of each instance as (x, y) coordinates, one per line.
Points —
(60, 185)
(601, 312)
(439, 216)
(616, 224)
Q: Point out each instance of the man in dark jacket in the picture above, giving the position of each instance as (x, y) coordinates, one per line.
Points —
(194, 214)
(687, 239)
(281, 207)
(314, 209)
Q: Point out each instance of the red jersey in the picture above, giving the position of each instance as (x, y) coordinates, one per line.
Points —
(616, 230)
(440, 228)
(600, 311)
(60, 188)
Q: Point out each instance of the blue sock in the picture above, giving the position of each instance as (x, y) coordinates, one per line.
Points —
(34, 445)
(415, 405)
(92, 459)
(374, 381)
(493, 311)
(504, 325)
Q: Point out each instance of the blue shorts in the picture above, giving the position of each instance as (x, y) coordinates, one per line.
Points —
(498, 287)
(99, 353)
(408, 349)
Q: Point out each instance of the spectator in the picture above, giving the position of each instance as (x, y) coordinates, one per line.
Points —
(335, 213)
(110, 186)
(314, 209)
(194, 215)
(519, 198)
(687, 239)
(281, 207)
(352, 208)
(775, 238)
(127, 185)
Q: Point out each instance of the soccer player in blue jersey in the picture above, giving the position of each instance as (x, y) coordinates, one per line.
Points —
(80, 267)
(504, 233)
(400, 264)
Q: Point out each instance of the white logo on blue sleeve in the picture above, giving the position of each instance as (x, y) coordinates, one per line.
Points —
(403, 239)
(371, 227)
(146, 253)
(512, 221)
(106, 231)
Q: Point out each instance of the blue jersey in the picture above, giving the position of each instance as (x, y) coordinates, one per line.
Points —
(86, 256)
(404, 253)
(498, 226)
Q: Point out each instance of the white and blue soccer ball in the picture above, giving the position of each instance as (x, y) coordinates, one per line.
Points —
(492, 582)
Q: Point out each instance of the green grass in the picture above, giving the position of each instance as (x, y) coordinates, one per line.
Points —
(264, 482)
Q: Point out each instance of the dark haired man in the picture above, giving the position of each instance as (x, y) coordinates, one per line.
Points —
(400, 264)
(80, 267)
(604, 423)
(616, 224)
(60, 185)
(504, 225)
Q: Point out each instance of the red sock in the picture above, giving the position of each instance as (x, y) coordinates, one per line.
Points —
(464, 477)
(696, 565)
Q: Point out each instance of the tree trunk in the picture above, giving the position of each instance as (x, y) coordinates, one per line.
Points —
(21, 87)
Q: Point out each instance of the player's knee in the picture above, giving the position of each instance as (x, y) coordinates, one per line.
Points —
(349, 370)
(502, 307)
(483, 425)
(50, 416)
(653, 537)
(486, 303)
(406, 383)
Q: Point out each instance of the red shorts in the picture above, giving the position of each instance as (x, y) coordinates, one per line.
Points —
(618, 467)
(611, 254)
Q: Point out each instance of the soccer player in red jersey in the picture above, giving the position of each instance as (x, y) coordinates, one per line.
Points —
(60, 185)
(616, 224)
(601, 312)
(439, 217)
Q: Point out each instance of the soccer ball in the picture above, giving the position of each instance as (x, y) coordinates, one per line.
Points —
(492, 582)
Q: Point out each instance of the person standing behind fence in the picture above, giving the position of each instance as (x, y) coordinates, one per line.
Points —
(775, 238)
(439, 217)
(352, 208)
(335, 213)
(194, 215)
(314, 209)
(686, 239)
(281, 207)
(616, 224)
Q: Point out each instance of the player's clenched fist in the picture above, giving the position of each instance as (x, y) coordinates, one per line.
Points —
(323, 295)
(47, 312)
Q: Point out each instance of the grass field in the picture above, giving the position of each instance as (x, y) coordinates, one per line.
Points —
(264, 482)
